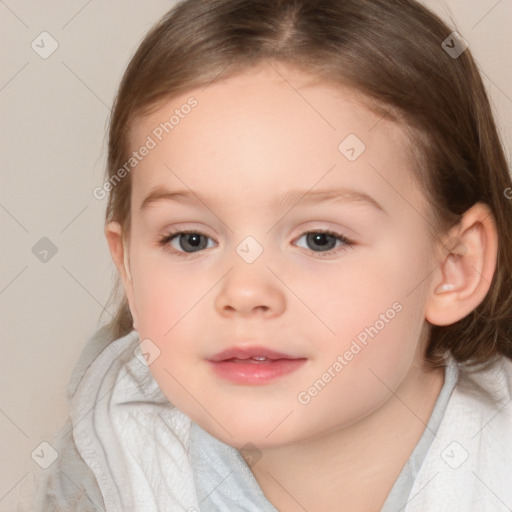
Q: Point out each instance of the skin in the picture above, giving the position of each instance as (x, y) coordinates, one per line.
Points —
(251, 138)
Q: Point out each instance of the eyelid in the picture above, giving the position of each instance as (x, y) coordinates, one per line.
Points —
(328, 226)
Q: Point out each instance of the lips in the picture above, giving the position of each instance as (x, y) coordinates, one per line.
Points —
(253, 365)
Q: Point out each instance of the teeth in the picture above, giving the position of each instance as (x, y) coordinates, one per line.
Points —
(256, 359)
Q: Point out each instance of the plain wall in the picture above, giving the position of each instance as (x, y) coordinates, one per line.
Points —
(54, 115)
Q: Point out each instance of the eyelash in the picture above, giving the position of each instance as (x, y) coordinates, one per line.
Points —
(164, 240)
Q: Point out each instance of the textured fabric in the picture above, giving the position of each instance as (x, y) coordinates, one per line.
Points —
(116, 409)
(222, 477)
(128, 449)
(69, 484)
(469, 463)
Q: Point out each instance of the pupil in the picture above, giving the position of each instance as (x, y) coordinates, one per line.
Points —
(196, 238)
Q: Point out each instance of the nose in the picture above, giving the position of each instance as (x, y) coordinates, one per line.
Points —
(247, 290)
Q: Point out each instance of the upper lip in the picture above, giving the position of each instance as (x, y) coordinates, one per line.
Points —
(248, 352)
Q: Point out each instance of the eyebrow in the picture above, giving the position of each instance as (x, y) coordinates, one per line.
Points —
(290, 198)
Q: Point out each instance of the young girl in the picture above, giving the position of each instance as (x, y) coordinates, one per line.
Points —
(311, 216)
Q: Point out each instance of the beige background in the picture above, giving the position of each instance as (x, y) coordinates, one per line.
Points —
(54, 116)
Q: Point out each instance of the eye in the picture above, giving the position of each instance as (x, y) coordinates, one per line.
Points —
(184, 242)
(326, 241)
(322, 242)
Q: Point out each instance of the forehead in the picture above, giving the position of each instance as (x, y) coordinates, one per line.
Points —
(266, 130)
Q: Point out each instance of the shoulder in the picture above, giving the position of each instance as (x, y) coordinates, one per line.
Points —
(472, 448)
(68, 484)
(480, 410)
(490, 386)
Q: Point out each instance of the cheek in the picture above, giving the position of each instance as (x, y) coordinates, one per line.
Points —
(351, 296)
(376, 310)
(171, 314)
(358, 378)
(166, 295)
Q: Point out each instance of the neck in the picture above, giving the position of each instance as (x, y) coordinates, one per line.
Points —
(341, 466)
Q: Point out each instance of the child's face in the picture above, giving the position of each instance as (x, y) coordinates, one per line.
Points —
(354, 316)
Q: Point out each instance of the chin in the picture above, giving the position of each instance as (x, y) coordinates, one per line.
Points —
(263, 433)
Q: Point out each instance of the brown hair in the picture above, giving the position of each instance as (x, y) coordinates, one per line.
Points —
(391, 52)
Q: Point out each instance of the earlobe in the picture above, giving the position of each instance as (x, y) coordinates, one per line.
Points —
(466, 266)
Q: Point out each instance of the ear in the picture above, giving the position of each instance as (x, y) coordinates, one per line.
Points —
(119, 254)
(466, 265)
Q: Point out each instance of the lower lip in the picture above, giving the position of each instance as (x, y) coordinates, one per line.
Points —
(255, 373)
